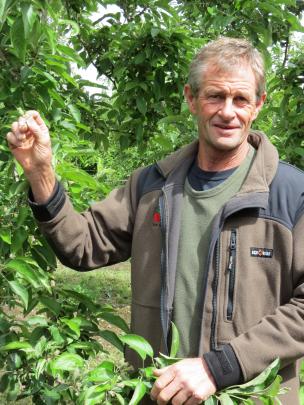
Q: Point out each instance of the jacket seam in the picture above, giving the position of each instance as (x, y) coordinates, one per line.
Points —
(276, 219)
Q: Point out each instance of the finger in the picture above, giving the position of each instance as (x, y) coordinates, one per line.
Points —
(161, 383)
(159, 371)
(22, 125)
(181, 398)
(12, 140)
(169, 392)
(197, 398)
(16, 131)
(35, 115)
(35, 129)
(194, 401)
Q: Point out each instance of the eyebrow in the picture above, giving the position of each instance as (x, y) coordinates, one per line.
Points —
(238, 92)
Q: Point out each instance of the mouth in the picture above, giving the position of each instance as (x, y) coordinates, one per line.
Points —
(226, 127)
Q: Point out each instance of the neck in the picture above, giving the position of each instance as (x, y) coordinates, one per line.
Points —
(219, 160)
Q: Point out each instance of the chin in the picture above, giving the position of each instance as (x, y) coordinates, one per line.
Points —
(226, 144)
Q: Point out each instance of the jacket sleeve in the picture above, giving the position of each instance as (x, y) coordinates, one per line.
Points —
(98, 237)
(279, 334)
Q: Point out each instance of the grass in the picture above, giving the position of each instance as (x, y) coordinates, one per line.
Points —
(110, 285)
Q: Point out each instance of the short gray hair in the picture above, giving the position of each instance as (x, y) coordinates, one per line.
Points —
(227, 53)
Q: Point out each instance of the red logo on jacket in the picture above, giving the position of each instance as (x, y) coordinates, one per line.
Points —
(156, 217)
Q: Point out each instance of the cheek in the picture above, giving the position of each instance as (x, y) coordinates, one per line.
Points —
(247, 116)
(207, 111)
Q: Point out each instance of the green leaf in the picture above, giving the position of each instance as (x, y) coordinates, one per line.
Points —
(211, 401)
(51, 304)
(19, 237)
(154, 32)
(79, 176)
(22, 215)
(67, 362)
(47, 75)
(87, 347)
(112, 338)
(273, 389)
(18, 39)
(174, 341)
(269, 373)
(73, 325)
(55, 96)
(141, 105)
(138, 394)
(2, 8)
(93, 395)
(28, 16)
(69, 79)
(71, 54)
(20, 291)
(16, 346)
(100, 374)
(139, 133)
(24, 270)
(81, 298)
(115, 320)
(5, 235)
(56, 335)
(139, 344)
(75, 112)
(225, 399)
(164, 360)
(73, 24)
(37, 320)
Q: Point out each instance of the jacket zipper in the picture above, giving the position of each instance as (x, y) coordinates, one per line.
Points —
(231, 274)
(163, 270)
(214, 296)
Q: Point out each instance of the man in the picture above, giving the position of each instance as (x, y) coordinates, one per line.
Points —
(215, 232)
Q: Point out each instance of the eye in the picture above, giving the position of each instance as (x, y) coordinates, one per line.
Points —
(241, 100)
(214, 97)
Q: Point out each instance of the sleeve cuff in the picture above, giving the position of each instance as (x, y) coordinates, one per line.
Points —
(48, 210)
(224, 366)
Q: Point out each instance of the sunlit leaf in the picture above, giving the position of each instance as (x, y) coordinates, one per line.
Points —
(174, 341)
(16, 346)
(66, 362)
(28, 16)
(138, 394)
(139, 344)
(24, 270)
(20, 291)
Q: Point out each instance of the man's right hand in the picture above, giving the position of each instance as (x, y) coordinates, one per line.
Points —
(30, 143)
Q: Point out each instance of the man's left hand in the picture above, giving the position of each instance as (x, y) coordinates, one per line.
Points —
(187, 382)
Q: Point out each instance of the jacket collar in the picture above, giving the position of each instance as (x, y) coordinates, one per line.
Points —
(261, 172)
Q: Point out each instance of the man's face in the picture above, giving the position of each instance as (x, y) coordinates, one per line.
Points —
(225, 106)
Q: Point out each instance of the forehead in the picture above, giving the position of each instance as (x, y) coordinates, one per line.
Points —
(230, 78)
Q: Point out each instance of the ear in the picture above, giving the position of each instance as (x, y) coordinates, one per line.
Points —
(259, 105)
(191, 99)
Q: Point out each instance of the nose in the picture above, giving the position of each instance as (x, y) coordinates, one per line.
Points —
(226, 112)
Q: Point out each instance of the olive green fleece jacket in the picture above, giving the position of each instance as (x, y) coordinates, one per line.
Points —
(254, 285)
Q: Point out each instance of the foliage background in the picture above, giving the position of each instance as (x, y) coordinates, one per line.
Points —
(138, 115)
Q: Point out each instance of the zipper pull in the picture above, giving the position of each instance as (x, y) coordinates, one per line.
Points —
(232, 248)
